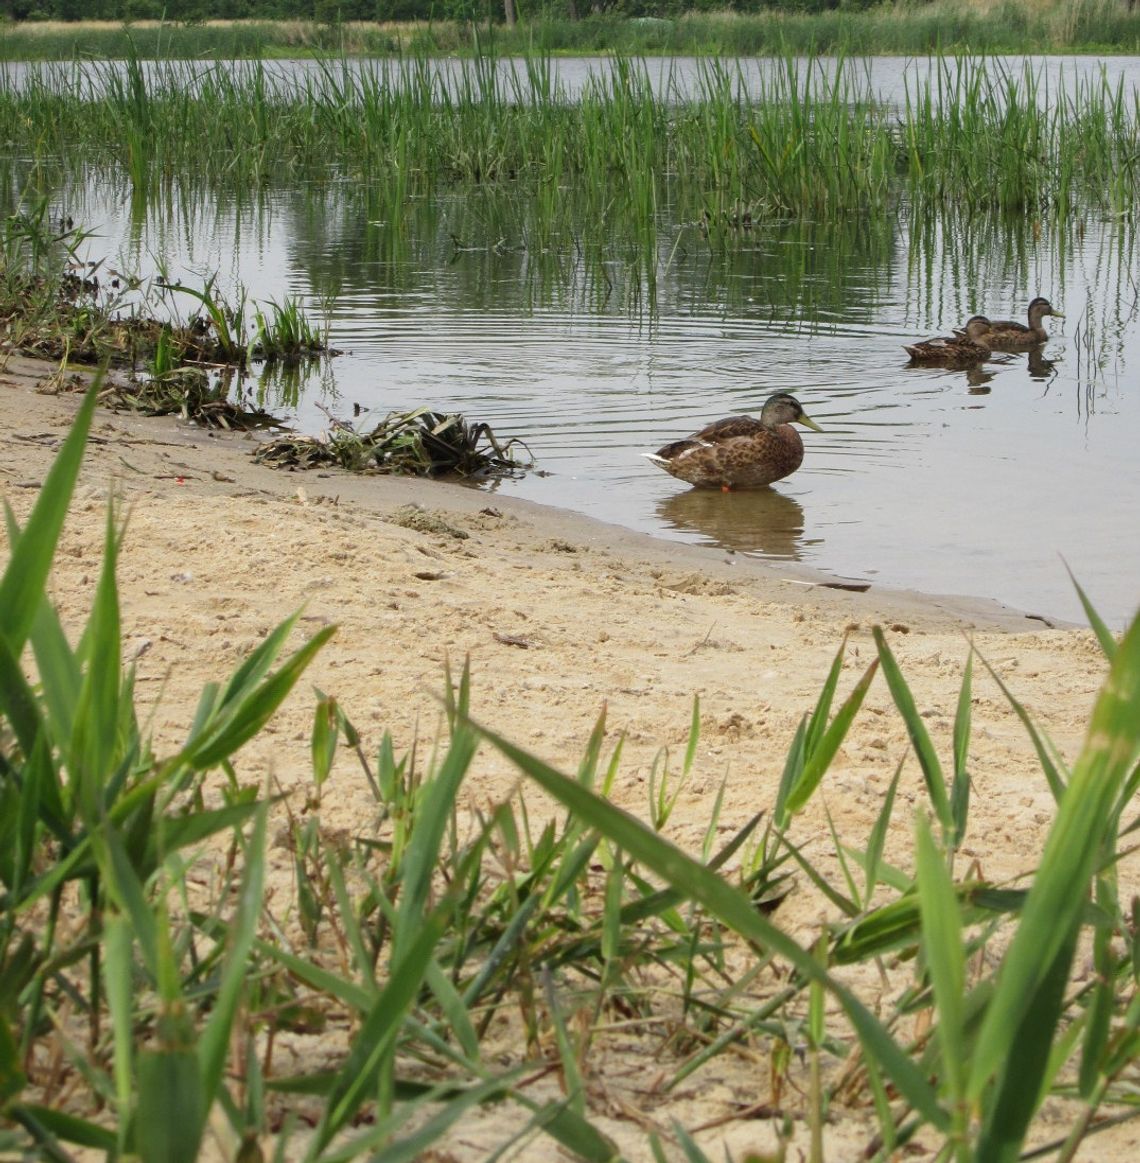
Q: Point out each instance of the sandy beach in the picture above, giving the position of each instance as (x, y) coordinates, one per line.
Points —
(559, 617)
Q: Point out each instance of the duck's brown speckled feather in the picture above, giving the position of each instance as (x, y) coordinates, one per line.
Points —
(1010, 335)
(738, 451)
(947, 351)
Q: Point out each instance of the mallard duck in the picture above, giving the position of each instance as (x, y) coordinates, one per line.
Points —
(740, 452)
(960, 350)
(1009, 335)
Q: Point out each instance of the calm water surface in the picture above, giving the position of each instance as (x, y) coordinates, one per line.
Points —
(979, 484)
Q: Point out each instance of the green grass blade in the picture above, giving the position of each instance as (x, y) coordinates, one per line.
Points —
(22, 586)
(18, 703)
(60, 677)
(1055, 776)
(1024, 1075)
(819, 758)
(1103, 634)
(916, 729)
(118, 984)
(878, 838)
(945, 957)
(818, 719)
(422, 853)
(254, 709)
(351, 996)
(413, 1146)
(372, 1046)
(960, 786)
(793, 766)
(574, 1132)
(94, 741)
(214, 1040)
(1024, 998)
(734, 908)
(70, 1128)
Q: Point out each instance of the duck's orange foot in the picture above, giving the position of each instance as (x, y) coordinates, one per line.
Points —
(726, 488)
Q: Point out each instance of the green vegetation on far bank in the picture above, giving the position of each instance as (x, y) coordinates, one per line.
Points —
(1014, 26)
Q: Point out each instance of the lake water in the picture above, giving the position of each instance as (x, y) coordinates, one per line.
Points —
(982, 483)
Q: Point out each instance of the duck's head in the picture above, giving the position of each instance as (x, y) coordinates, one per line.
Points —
(976, 327)
(784, 408)
(1040, 307)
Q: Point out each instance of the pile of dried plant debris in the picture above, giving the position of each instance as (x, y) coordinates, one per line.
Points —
(417, 443)
(189, 393)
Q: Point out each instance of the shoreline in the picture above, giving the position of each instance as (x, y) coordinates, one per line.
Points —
(561, 619)
(378, 492)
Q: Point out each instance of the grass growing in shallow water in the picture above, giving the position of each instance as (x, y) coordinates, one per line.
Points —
(795, 141)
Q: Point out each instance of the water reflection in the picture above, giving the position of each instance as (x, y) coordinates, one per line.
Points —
(978, 381)
(758, 521)
(1040, 368)
(592, 345)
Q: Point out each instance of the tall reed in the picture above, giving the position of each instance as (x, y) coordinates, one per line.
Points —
(805, 139)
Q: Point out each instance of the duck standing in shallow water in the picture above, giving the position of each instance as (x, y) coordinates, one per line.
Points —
(959, 350)
(740, 452)
(1009, 335)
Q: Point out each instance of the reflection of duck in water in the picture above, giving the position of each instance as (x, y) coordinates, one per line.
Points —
(740, 452)
(763, 521)
(1040, 368)
(1009, 335)
(954, 351)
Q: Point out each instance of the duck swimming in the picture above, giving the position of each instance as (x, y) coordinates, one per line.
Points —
(960, 350)
(740, 452)
(1009, 335)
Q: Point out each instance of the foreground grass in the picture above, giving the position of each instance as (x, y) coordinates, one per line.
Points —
(441, 959)
(942, 26)
(152, 996)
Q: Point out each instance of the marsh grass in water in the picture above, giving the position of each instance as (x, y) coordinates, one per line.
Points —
(166, 995)
(797, 142)
(56, 307)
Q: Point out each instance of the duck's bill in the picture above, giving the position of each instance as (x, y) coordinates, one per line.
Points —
(1059, 314)
(808, 422)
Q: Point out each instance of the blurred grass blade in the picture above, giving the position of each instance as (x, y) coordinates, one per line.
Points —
(960, 786)
(117, 970)
(1030, 984)
(418, 1144)
(569, 1128)
(945, 960)
(1103, 634)
(215, 1037)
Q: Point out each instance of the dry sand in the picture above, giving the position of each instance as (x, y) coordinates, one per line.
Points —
(559, 616)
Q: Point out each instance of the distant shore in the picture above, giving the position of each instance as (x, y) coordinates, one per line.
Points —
(946, 26)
